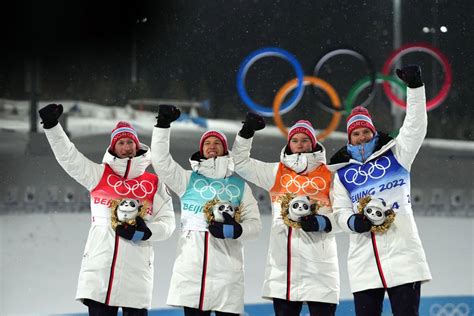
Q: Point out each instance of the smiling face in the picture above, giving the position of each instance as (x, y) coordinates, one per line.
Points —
(125, 148)
(361, 136)
(300, 143)
(212, 147)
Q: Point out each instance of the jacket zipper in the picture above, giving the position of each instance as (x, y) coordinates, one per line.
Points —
(288, 264)
(127, 170)
(204, 271)
(377, 260)
(362, 151)
(112, 270)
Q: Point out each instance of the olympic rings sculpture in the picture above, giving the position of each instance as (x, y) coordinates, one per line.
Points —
(301, 81)
(360, 85)
(433, 51)
(250, 60)
(287, 87)
(360, 56)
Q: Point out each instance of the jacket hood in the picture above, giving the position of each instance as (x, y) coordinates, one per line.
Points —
(137, 166)
(215, 168)
(303, 162)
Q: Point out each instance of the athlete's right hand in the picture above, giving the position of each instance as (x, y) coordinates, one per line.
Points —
(167, 114)
(253, 122)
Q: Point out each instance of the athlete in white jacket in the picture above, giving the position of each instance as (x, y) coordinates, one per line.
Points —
(302, 263)
(208, 273)
(375, 166)
(117, 265)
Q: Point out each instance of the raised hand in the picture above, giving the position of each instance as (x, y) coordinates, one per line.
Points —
(167, 114)
(253, 122)
(50, 115)
(411, 75)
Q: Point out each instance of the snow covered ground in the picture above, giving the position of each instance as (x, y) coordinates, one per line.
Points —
(40, 252)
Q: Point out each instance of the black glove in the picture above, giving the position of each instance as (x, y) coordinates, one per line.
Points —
(167, 114)
(316, 223)
(359, 223)
(50, 115)
(411, 75)
(134, 233)
(229, 229)
(253, 122)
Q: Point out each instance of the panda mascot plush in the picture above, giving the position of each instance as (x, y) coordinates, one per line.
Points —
(377, 212)
(125, 211)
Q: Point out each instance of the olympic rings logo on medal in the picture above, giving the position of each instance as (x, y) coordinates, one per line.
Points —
(127, 186)
(299, 83)
(209, 191)
(300, 184)
(376, 170)
(450, 309)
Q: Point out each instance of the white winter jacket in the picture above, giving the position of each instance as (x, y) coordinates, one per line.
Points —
(301, 266)
(208, 272)
(396, 257)
(116, 271)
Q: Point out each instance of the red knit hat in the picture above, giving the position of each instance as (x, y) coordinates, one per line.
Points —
(305, 127)
(214, 133)
(123, 130)
(359, 117)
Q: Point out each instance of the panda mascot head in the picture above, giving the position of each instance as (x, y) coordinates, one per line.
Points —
(298, 207)
(222, 207)
(376, 211)
(128, 209)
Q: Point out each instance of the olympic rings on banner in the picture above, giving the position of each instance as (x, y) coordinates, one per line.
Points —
(360, 85)
(450, 309)
(359, 56)
(250, 60)
(434, 52)
(326, 87)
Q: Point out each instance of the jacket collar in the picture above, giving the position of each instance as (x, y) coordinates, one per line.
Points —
(342, 157)
(304, 162)
(214, 168)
